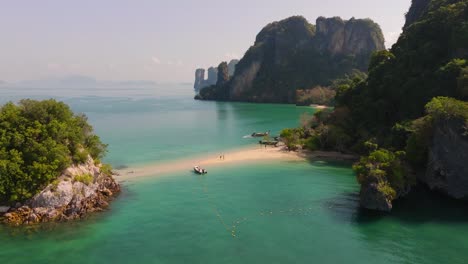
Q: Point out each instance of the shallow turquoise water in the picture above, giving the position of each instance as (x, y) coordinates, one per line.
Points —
(286, 212)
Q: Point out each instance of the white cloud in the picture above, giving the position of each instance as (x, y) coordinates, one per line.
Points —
(391, 38)
(231, 56)
(156, 60)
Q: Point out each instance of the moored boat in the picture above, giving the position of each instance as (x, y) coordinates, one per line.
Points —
(199, 170)
(257, 134)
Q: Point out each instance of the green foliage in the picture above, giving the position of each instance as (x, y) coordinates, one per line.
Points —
(85, 178)
(290, 137)
(312, 143)
(288, 56)
(107, 169)
(54, 184)
(462, 83)
(447, 108)
(438, 109)
(420, 81)
(380, 58)
(317, 95)
(38, 140)
(386, 168)
(387, 190)
(429, 60)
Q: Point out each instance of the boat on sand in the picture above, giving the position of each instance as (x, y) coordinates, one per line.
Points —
(199, 170)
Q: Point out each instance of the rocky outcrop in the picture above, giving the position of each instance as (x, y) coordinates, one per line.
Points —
(232, 67)
(447, 168)
(80, 190)
(223, 74)
(373, 199)
(212, 76)
(212, 79)
(352, 37)
(292, 54)
(417, 9)
(199, 79)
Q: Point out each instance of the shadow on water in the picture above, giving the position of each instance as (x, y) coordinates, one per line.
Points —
(420, 206)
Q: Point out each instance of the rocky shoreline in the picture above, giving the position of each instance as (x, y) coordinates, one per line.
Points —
(79, 191)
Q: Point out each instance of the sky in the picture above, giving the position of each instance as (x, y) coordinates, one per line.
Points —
(158, 40)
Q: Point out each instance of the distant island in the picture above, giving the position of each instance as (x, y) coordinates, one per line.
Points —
(292, 57)
(50, 164)
(408, 120)
(201, 82)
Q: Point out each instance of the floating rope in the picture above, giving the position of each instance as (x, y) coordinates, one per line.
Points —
(213, 207)
(232, 229)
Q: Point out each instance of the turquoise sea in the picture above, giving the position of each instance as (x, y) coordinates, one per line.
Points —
(282, 212)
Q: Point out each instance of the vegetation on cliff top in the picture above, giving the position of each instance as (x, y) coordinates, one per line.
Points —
(38, 140)
(421, 80)
(293, 54)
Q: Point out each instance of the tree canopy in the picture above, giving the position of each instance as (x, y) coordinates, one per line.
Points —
(38, 140)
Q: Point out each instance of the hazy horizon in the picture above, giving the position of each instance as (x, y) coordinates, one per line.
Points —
(152, 40)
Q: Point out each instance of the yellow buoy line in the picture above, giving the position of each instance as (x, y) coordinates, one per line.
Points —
(213, 207)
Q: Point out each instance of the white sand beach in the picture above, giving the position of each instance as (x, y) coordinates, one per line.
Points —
(240, 156)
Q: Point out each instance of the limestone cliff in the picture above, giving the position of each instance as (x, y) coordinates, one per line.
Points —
(80, 190)
(292, 54)
(232, 67)
(212, 78)
(447, 168)
(223, 74)
(417, 9)
(370, 197)
(199, 79)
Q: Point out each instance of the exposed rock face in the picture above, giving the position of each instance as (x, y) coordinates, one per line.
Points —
(371, 198)
(223, 74)
(212, 76)
(232, 67)
(69, 198)
(447, 168)
(199, 79)
(290, 55)
(212, 79)
(417, 9)
(352, 37)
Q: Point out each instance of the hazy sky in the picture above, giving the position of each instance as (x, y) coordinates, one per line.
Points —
(153, 39)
